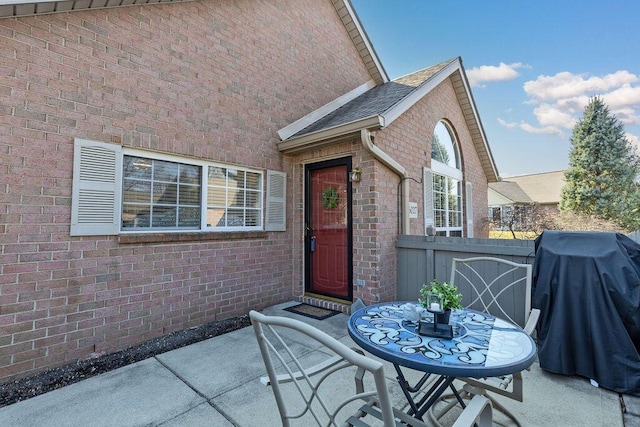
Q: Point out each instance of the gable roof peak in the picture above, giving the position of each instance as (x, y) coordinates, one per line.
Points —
(416, 78)
(381, 105)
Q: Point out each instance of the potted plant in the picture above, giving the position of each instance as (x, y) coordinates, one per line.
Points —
(447, 293)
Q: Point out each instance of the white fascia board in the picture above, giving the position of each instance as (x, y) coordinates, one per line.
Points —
(400, 108)
(104, 2)
(20, 8)
(316, 115)
(305, 141)
(476, 116)
(8, 2)
(366, 41)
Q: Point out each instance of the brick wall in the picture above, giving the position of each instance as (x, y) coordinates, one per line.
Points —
(375, 198)
(212, 80)
(374, 213)
(408, 140)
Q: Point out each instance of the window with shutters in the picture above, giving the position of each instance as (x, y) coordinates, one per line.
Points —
(118, 190)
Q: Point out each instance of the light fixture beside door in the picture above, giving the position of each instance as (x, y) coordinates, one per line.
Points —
(354, 176)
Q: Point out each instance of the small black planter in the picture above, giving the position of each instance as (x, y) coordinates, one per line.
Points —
(443, 318)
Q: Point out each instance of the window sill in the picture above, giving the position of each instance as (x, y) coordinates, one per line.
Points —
(189, 237)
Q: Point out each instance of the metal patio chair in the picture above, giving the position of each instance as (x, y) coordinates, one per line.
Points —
(319, 400)
(501, 288)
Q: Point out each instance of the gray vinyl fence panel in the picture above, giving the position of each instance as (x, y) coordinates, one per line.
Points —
(422, 259)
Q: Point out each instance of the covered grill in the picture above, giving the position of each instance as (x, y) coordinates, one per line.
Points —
(587, 287)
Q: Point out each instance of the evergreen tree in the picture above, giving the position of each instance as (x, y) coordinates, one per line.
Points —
(603, 168)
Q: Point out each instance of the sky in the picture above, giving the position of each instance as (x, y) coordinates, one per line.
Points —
(532, 65)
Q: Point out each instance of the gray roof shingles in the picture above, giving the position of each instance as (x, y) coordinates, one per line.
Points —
(375, 101)
(544, 187)
(511, 191)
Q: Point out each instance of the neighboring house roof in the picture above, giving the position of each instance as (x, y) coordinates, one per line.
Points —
(377, 107)
(510, 191)
(543, 188)
(16, 8)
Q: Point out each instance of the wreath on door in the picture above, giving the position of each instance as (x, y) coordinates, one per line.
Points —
(330, 198)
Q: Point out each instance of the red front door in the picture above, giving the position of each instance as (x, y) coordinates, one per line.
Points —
(328, 229)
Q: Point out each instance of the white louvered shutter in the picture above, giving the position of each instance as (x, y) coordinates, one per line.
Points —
(97, 180)
(276, 216)
(427, 184)
(469, 208)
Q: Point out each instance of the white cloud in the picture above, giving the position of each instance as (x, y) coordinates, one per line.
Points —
(574, 106)
(623, 102)
(492, 73)
(552, 116)
(506, 124)
(634, 140)
(560, 100)
(546, 130)
(626, 115)
(567, 85)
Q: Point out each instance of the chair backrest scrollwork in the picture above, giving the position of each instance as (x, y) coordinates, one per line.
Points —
(496, 286)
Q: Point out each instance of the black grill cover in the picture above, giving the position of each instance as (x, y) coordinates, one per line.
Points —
(587, 287)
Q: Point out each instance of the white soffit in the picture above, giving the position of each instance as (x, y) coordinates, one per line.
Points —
(467, 104)
(17, 8)
(325, 136)
(361, 40)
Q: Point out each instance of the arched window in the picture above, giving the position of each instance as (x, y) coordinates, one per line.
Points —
(443, 184)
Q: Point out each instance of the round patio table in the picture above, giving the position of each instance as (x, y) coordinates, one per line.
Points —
(482, 346)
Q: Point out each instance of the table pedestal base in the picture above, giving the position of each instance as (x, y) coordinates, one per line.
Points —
(418, 409)
(467, 392)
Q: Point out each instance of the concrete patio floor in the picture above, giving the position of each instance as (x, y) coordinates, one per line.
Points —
(216, 383)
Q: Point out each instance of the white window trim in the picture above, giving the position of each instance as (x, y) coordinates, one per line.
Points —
(448, 229)
(429, 217)
(446, 170)
(427, 185)
(205, 198)
(203, 187)
(449, 172)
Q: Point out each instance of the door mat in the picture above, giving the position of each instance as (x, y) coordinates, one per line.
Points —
(312, 311)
